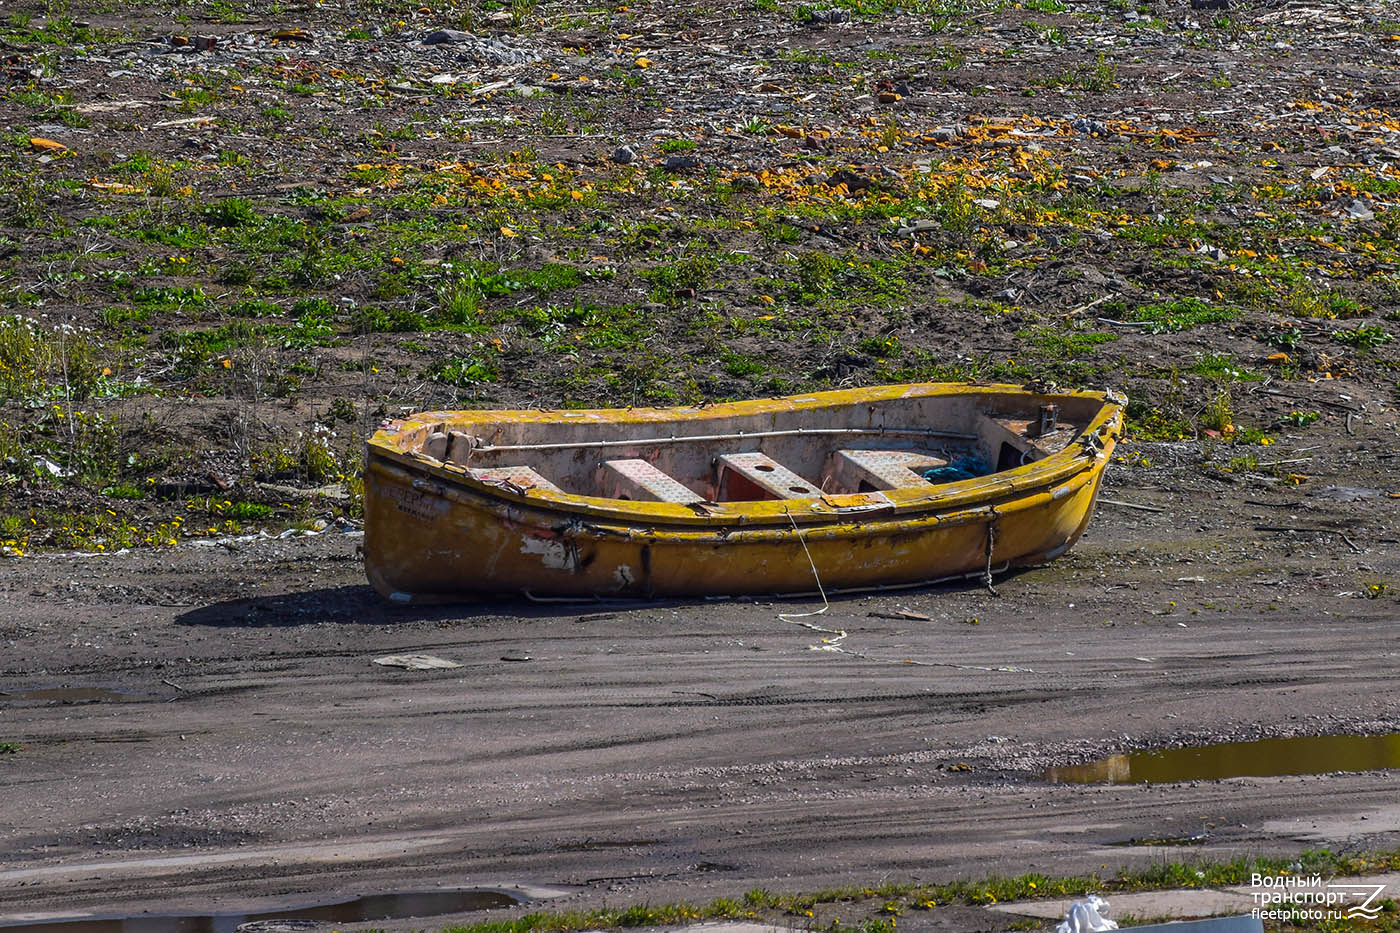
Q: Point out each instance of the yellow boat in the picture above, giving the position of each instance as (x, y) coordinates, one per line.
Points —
(850, 489)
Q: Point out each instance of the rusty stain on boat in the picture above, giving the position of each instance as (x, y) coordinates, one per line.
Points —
(887, 486)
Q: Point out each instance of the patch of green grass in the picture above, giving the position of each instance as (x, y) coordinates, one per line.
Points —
(1283, 338)
(1306, 301)
(680, 279)
(742, 364)
(127, 491)
(1223, 368)
(40, 363)
(170, 298)
(459, 302)
(464, 371)
(247, 511)
(195, 349)
(10, 748)
(1156, 423)
(192, 98)
(22, 201)
(59, 29)
(1065, 345)
(368, 320)
(1180, 314)
(1300, 419)
(230, 212)
(677, 145)
(1363, 338)
(817, 273)
(1219, 413)
(1098, 77)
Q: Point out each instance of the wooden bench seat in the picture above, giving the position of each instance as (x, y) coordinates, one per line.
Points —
(521, 476)
(882, 469)
(638, 479)
(749, 476)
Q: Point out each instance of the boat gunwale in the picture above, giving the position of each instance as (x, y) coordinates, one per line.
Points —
(1080, 454)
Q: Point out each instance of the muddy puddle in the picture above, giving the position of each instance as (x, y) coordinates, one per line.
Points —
(1262, 758)
(394, 906)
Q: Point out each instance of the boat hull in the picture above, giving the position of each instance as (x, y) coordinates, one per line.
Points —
(430, 536)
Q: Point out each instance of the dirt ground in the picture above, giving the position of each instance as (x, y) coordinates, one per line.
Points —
(688, 750)
(235, 235)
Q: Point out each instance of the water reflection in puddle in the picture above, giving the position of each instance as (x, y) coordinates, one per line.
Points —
(1263, 758)
(396, 906)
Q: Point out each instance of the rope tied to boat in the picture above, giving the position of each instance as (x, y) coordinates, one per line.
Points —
(794, 618)
(991, 546)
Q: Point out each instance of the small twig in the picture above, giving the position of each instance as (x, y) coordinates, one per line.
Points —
(1132, 505)
(1350, 431)
(1093, 304)
(171, 683)
(1109, 320)
(1326, 403)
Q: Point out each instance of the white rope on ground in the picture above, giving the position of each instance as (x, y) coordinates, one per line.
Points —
(795, 618)
(834, 644)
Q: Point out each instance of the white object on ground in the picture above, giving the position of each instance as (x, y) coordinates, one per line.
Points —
(416, 662)
(1086, 917)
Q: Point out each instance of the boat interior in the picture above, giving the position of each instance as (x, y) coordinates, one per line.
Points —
(791, 452)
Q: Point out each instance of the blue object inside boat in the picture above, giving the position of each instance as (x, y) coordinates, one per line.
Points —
(967, 466)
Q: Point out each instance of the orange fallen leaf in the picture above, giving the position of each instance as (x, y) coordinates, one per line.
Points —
(643, 62)
(39, 142)
(508, 232)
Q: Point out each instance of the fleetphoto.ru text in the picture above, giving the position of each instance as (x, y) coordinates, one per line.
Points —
(1309, 897)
